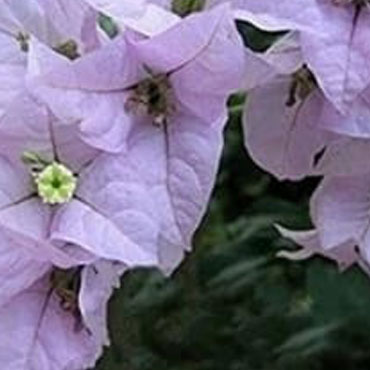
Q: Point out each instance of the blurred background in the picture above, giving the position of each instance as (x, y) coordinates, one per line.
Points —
(232, 305)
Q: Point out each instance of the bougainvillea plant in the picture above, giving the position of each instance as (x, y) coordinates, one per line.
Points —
(110, 145)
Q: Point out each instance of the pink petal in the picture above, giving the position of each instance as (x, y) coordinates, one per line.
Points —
(282, 139)
(186, 40)
(219, 65)
(179, 164)
(344, 255)
(97, 284)
(340, 209)
(36, 333)
(102, 235)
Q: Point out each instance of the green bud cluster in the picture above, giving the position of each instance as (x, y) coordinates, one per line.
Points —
(186, 7)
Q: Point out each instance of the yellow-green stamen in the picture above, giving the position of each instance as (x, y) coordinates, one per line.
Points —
(56, 184)
(69, 49)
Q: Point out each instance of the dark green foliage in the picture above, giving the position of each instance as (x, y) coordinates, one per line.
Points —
(233, 305)
(256, 39)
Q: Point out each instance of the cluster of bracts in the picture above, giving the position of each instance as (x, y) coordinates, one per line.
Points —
(109, 146)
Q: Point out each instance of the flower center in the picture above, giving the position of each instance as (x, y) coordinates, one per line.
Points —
(69, 49)
(56, 184)
(186, 7)
(23, 40)
(302, 85)
(66, 285)
(152, 96)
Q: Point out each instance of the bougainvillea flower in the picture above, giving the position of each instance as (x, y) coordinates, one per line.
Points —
(58, 24)
(145, 17)
(56, 192)
(284, 57)
(151, 17)
(345, 255)
(280, 137)
(340, 213)
(291, 129)
(73, 31)
(58, 322)
(114, 80)
(150, 102)
(334, 39)
(70, 33)
(181, 8)
(53, 318)
(340, 209)
(288, 142)
(283, 108)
